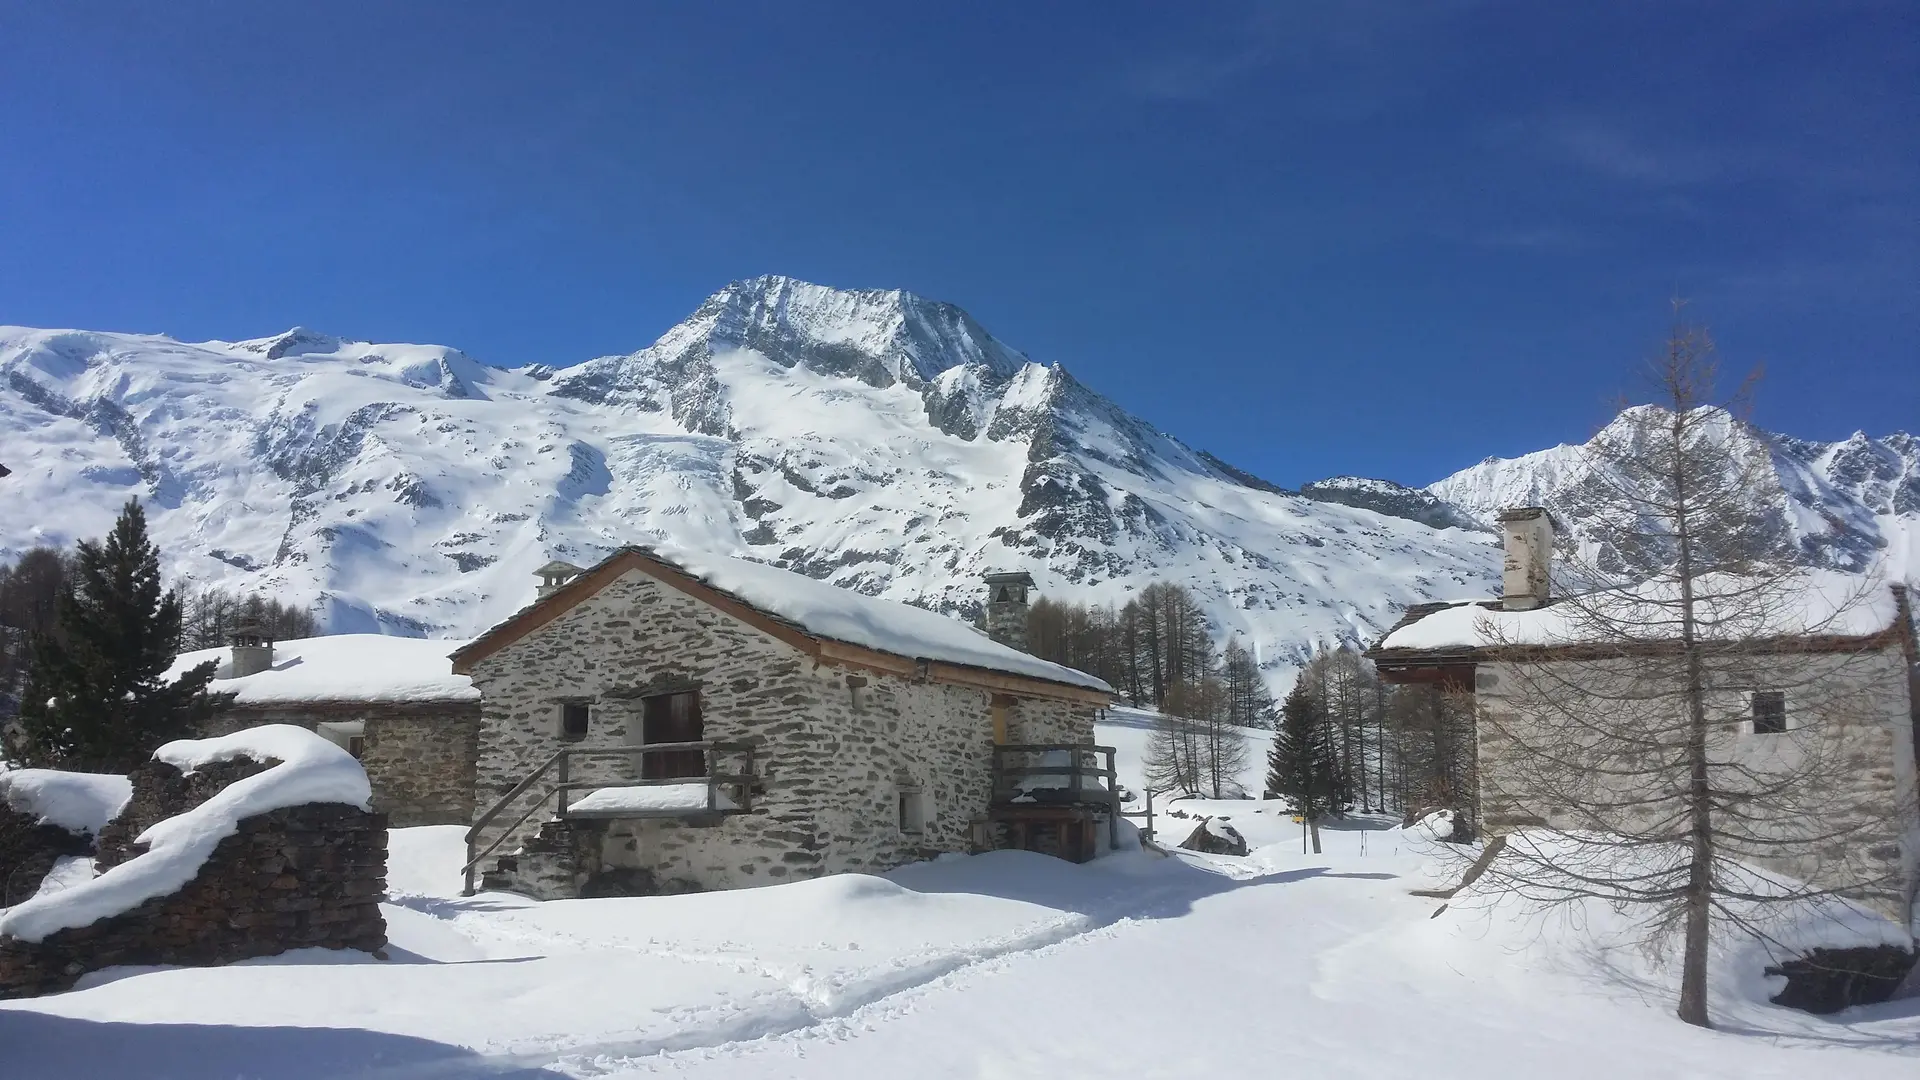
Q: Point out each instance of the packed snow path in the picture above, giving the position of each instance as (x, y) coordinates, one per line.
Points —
(1004, 966)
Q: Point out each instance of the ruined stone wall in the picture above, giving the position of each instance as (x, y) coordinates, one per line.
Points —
(303, 877)
(419, 756)
(1849, 722)
(28, 850)
(834, 758)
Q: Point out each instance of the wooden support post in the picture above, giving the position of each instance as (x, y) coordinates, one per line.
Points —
(565, 757)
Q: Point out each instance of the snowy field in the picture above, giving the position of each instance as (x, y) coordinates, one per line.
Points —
(1003, 966)
(1007, 966)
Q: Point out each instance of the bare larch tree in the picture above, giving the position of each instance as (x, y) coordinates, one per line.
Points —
(1694, 704)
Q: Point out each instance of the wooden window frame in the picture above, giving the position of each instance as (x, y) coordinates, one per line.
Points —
(1777, 722)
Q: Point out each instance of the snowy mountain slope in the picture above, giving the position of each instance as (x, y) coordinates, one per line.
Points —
(874, 439)
(1851, 505)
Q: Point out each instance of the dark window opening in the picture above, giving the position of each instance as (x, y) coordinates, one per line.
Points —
(357, 746)
(573, 720)
(1769, 712)
(672, 718)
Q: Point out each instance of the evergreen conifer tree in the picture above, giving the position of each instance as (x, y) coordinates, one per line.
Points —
(1302, 767)
(96, 699)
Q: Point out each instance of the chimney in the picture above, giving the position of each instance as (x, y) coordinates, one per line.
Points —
(553, 575)
(252, 650)
(1529, 559)
(1007, 608)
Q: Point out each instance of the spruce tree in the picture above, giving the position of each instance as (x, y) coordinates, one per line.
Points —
(96, 699)
(1302, 767)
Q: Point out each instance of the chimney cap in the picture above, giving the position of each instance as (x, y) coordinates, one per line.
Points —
(1524, 513)
(557, 567)
(1008, 577)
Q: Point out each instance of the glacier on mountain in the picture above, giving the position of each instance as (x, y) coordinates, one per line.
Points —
(873, 439)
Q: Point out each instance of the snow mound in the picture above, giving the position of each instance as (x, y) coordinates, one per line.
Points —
(309, 769)
(76, 802)
(342, 667)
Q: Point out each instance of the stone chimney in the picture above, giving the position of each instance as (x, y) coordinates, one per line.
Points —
(553, 575)
(1007, 608)
(1529, 559)
(252, 650)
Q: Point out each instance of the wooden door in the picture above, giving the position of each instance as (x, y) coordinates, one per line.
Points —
(672, 718)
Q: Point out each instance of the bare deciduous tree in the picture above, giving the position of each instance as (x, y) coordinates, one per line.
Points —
(1689, 707)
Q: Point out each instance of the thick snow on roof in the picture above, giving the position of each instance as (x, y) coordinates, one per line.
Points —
(829, 611)
(310, 770)
(76, 802)
(1824, 603)
(344, 667)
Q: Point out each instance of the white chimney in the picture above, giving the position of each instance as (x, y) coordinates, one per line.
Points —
(1529, 538)
(252, 651)
(554, 575)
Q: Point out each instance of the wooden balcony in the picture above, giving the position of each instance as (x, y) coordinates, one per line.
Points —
(1051, 797)
(724, 785)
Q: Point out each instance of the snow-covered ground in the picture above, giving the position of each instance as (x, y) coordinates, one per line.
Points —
(1007, 965)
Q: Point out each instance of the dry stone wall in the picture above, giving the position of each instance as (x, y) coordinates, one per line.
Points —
(303, 877)
(29, 849)
(419, 756)
(834, 758)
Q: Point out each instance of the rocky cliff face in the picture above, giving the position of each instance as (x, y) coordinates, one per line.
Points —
(1850, 505)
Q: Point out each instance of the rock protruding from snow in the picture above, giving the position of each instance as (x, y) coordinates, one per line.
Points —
(1214, 836)
(76, 802)
(306, 769)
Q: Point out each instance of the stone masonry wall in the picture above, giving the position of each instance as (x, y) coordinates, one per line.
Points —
(833, 759)
(302, 877)
(1849, 717)
(419, 756)
(28, 849)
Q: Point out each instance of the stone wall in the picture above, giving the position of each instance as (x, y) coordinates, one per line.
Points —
(419, 756)
(1850, 726)
(28, 849)
(302, 877)
(833, 758)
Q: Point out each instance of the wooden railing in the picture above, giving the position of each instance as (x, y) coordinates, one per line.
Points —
(1025, 774)
(727, 792)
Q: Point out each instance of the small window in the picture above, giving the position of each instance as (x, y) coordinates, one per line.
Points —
(357, 746)
(1769, 712)
(573, 720)
(916, 811)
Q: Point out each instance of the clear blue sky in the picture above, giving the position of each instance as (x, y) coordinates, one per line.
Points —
(1374, 237)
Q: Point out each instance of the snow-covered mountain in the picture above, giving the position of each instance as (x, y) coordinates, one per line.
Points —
(1850, 505)
(875, 439)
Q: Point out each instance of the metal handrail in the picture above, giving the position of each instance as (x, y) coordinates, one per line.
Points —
(563, 757)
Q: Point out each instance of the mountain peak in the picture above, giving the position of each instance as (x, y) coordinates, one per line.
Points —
(879, 335)
(291, 343)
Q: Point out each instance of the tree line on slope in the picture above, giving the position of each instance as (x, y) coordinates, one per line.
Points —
(86, 638)
(30, 592)
(1391, 749)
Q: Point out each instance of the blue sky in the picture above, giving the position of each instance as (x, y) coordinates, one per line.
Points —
(1374, 237)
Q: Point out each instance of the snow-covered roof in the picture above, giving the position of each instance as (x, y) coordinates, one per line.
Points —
(310, 770)
(344, 667)
(76, 802)
(827, 611)
(1824, 604)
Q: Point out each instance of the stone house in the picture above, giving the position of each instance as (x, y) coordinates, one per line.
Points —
(667, 723)
(394, 703)
(1823, 676)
